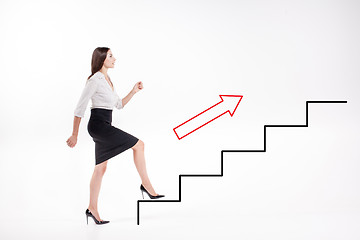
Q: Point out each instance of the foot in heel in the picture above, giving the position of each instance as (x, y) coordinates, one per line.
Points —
(143, 189)
(88, 213)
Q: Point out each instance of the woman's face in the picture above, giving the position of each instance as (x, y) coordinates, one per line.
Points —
(109, 60)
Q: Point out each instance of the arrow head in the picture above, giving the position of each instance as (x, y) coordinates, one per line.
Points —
(231, 102)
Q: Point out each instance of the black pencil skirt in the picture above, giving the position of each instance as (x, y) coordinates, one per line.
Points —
(109, 140)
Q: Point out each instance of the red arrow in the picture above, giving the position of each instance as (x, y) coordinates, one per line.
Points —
(213, 112)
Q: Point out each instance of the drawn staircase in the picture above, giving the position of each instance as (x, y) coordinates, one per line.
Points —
(226, 151)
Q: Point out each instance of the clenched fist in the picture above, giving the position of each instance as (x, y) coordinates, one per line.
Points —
(138, 86)
(71, 142)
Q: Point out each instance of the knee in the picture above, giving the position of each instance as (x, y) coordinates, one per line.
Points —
(139, 146)
(101, 168)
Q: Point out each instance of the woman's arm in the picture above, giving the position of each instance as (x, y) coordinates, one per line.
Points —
(138, 86)
(72, 140)
(88, 91)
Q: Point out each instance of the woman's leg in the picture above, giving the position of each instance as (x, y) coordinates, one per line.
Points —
(139, 160)
(95, 184)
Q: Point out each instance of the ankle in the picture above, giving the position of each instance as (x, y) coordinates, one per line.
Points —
(146, 184)
(92, 209)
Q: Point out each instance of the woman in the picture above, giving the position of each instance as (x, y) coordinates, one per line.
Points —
(109, 140)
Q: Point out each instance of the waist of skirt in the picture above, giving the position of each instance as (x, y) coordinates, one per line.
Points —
(101, 114)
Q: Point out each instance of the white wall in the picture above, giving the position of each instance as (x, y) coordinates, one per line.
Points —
(277, 54)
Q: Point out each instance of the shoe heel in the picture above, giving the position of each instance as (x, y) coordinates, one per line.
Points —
(142, 192)
(87, 219)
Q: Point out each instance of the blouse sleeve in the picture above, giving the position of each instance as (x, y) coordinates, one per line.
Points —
(118, 103)
(88, 92)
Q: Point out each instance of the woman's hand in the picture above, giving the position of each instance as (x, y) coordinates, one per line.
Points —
(71, 142)
(138, 86)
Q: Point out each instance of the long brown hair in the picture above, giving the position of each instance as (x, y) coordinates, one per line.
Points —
(98, 58)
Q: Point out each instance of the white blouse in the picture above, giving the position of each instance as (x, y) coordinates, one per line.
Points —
(102, 96)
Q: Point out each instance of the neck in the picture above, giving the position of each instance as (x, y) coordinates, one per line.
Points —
(104, 70)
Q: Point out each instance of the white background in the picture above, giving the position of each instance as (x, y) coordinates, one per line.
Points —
(277, 54)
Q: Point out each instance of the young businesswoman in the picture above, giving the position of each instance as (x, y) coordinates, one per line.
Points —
(109, 140)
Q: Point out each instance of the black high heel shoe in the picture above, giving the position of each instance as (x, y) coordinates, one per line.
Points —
(150, 196)
(89, 214)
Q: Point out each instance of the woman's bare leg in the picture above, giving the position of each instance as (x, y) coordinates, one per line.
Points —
(139, 160)
(95, 185)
